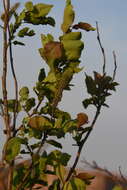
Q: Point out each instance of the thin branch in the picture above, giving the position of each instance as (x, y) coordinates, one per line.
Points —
(115, 66)
(19, 128)
(35, 110)
(42, 143)
(82, 144)
(4, 76)
(26, 111)
(102, 49)
(15, 82)
(122, 176)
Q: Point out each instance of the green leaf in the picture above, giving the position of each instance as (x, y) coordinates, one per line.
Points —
(36, 14)
(111, 86)
(42, 9)
(42, 75)
(69, 16)
(46, 39)
(71, 36)
(87, 102)
(60, 172)
(31, 33)
(26, 32)
(23, 32)
(21, 17)
(58, 122)
(65, 158)
(58, 132)
(18, 43)
(54, 143)
(64, 115)
(42, 163)
(32, 132)
(29, 104)
(73, 49)
(12, 148)
(51, 78)
(29, 6)
(75, 184)
(69, 126)
(59, 157)
(48, 20)
(91, 85)
(11, 106)
(24, 93)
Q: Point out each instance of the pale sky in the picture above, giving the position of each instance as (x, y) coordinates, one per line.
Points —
(107, 143)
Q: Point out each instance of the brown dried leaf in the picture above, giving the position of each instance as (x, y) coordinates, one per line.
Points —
(82, 119)
(85, 26)
(53, 50)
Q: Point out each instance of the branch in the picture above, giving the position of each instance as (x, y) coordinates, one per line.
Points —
(102, 49)
(42, 143)
(4, 75)
(115, 66)
(82, 143)
(35, 110)
(15, 82)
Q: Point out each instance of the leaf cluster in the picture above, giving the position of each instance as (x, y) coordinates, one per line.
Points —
(99, 88)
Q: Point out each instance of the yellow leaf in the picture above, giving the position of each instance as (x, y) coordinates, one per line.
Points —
(40, 123)
(69, 15)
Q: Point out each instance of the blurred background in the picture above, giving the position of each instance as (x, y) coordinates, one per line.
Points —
(108, 141)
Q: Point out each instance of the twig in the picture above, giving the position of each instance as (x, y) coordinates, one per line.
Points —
(42, 143)
(35, 110)
(121, 175)
(26, 111)
(102, 49)
(115, 66)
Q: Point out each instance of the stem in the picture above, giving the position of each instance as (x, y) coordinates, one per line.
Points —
(42, 143)
(35, 110)
(4, 76)
(6, 5)
(115, 66)
(15, 82)
(82, 144)
(102, 49)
